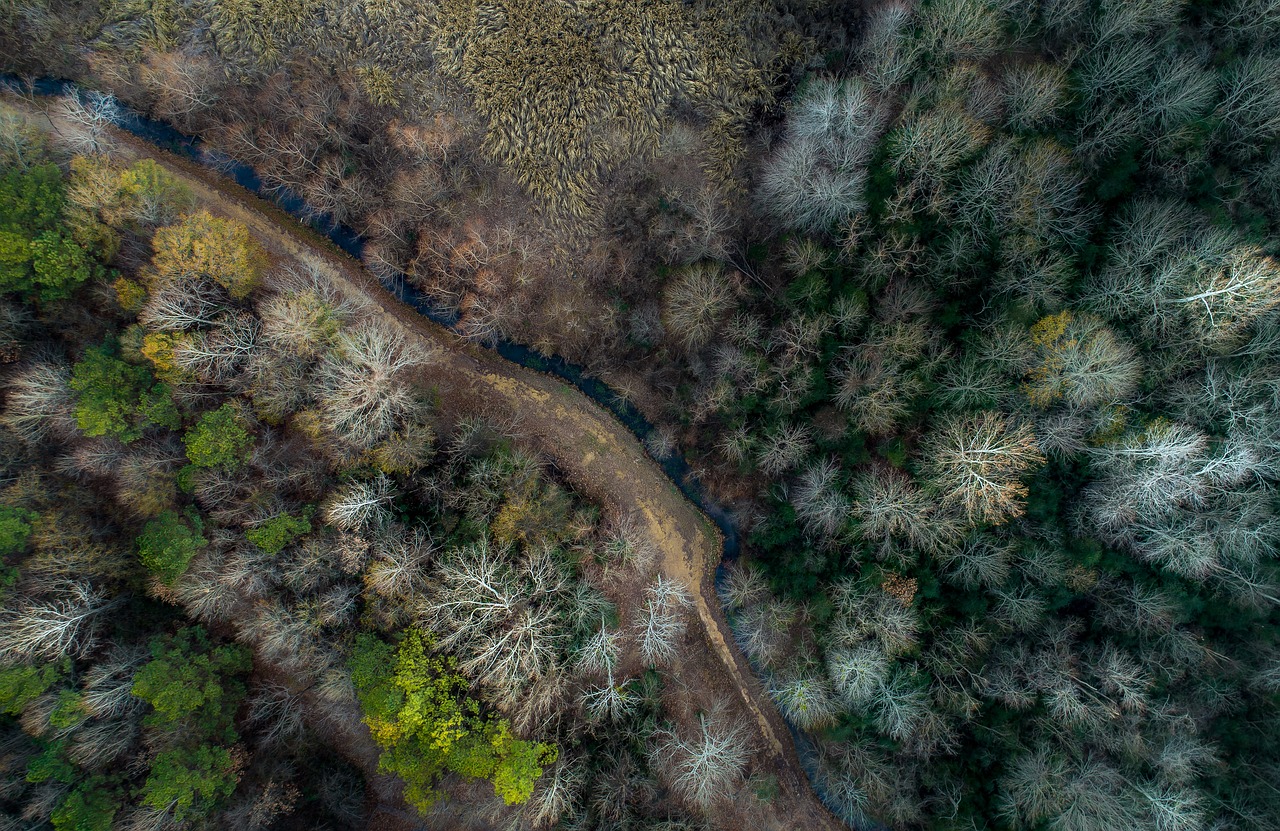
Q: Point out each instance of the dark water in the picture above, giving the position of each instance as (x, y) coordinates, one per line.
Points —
(675, 466)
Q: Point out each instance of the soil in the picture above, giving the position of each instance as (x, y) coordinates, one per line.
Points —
(600, 457)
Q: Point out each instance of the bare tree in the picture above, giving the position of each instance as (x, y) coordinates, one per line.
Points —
(930, 144)
(39, 401)
(609, 701)
(1223, 299)
(626, 544)
(1181, 90)
(706, 766)
(364, 395)
(178, 305)
(1184, 757)
(817, 176)
(764, 630)
(1170, 494)
(737, 446)
(400, 559)
(977, 461)
(108, 683)
(21, 144)
(900, 706)
(877, 393)
(858, 673)
(742, 587)
(805, 700)
(694, 301)
(707, 225)
(1250, 104)
(277, 714)
(859, 781)
(600, 652)
(669, 593)
(557, 792)
(184, 82)
(218, 354)
(1085, 795)
(866, 612)
(360, 505)
(892, 510)
(818, 499)
(1174, 808)
(660, 621)
(285, 635)
(202, 591)
(1174, 273)
(785, 448)
(91, 114)
(981, 562)
(306, 316)
(101, 742)
(279, 384)
(63, 625)
(504, 623)
(887, 52)
(1034, 94)
(971, 29)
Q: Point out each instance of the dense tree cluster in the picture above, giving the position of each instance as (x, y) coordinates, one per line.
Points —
(1002, 385)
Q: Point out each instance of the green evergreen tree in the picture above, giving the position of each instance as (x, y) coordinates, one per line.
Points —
(190, 781)
(167, 544)
(278, 532)
(219, 439)
(90, 807)
(15, 529)
(192, 683)
(118, 399)
(418, 708)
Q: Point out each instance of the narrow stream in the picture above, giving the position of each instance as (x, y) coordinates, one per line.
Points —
(677, 469)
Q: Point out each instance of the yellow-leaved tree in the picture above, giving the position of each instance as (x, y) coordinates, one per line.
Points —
(203, 245)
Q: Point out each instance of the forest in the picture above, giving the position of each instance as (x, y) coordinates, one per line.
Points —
(241, 529)
(966, 311)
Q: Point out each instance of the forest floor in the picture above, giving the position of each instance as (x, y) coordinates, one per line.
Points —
(599, 456)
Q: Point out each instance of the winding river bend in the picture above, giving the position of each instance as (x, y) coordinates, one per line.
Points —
(512, 379)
